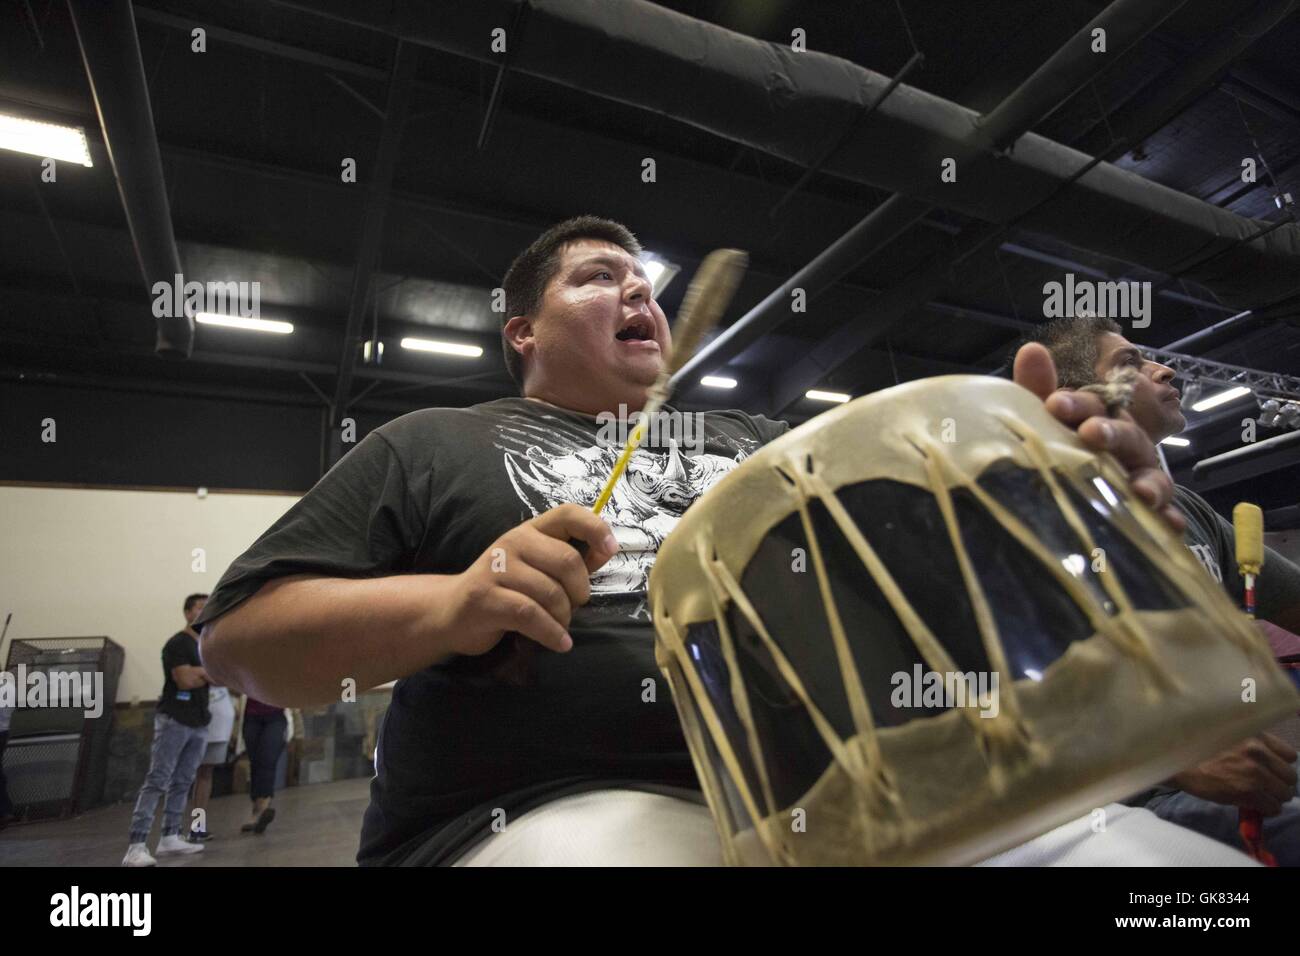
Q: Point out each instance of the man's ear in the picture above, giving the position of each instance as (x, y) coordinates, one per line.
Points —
(519, 332)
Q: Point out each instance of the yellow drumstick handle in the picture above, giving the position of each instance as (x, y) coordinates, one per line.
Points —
(619, 466)
(1248, 523)
(1248, 528)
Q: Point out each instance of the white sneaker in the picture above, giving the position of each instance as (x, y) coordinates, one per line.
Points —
(173, 843)
(137, 854)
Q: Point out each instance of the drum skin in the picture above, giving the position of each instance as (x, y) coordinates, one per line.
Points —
(943, 521)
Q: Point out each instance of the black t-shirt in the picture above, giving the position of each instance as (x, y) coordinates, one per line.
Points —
(428, 493)
(189, 707)
(1210, 537)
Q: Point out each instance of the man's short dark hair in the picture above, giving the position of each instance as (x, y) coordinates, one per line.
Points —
(193, 599)
(528, 275)
(1073, 344)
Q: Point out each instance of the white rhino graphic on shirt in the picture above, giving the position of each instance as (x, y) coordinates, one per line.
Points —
(653, 493)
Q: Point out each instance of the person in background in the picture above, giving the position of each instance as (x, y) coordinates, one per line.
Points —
(180, 736)
(264, 730)
(1259, 773)
(220, 729)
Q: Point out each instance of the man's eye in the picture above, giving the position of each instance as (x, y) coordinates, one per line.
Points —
(603, 272)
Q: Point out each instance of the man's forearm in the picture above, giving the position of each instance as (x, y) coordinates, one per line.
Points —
(296, 640)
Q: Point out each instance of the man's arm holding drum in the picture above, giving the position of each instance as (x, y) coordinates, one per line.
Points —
(297, 638)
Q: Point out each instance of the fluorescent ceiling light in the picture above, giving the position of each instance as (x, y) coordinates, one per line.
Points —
(1175, 441)
(1214, 401)
(718, 381)
(820, 396)
(47, 140)
(239, 322)
(442, 348)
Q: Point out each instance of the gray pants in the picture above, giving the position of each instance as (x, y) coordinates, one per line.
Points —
(177, 751)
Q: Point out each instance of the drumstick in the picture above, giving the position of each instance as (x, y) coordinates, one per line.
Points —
(706, 299)
(1248, 526)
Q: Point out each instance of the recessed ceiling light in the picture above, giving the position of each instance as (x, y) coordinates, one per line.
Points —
(239, 322)
(47, 140)
(1219, 398)
(819, 396)
(442, 348)
(718, 381)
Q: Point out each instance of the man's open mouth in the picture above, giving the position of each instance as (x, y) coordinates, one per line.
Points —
(636, 331)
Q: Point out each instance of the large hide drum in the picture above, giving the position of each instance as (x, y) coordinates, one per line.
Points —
(930, 625)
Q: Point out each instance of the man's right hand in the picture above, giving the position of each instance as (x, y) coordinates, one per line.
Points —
(529, 580)
(1256, 774)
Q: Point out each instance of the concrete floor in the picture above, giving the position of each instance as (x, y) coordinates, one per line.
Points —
(316, 825)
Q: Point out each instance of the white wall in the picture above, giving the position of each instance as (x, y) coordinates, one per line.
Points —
(88, 562)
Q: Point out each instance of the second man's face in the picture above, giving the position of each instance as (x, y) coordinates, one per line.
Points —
(1155, 400)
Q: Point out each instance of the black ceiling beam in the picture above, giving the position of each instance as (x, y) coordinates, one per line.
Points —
(152, 386)
(1022, 251)
(315, 58)
(513, 38)
(1111, 210)
(261, 44)
(1247, 462)
(1193, 75)
(1071, 265)
(110, 52)
(422, 202)
(431, 204)
(372, 229)
(927, 282)
(1125, 23)
(1247, 84)
(881, 226)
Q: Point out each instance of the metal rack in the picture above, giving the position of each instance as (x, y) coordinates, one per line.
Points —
(1192, 368)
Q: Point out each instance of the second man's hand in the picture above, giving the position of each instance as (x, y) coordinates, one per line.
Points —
(1121, 436)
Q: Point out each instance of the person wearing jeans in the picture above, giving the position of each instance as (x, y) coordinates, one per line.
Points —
(180, 736)
(264, 728)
